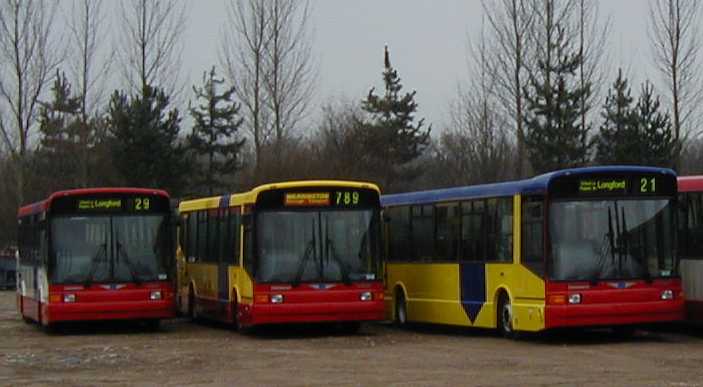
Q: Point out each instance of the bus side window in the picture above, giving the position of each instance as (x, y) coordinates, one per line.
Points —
(533, 234)
(399, 238)
(248, 223)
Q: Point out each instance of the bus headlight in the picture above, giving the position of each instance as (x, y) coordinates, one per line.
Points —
(69, 298)
(366, 296)
(155, 295)
(667, 294)
(277, 298)
(574, 298)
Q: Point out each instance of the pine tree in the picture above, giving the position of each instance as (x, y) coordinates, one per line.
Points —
(554, 135)
(618, 142)
(215, 133)
(62, 135)
(144, 143)
(657, 145)
(390, 135)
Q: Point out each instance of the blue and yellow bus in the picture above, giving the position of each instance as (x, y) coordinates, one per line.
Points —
(573, 248)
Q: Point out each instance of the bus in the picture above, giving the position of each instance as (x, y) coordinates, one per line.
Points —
(96, 254)
(582, 247)
(691, 244)
(290, 252)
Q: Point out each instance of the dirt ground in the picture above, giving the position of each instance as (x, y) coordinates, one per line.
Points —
(183, 353)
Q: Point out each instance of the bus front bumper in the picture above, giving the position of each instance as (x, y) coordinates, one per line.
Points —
(257, 314)
(115, 310)
(614, 313)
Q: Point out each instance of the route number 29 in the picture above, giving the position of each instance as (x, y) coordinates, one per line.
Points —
(141, 204)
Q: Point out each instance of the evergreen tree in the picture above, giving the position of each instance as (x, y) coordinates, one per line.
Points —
(144, 140)
(390, 135)
(657, 145)
(215, 133)
(63, 137)
(555, 137)
(618, 142)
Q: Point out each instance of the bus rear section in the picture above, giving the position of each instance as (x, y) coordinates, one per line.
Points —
(96, 254)
(611, 257)
(310, 253)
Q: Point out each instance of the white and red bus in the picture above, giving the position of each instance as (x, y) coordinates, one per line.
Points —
(691, 243)
(96, 254)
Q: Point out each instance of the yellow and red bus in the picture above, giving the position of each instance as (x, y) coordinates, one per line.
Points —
(96, 254)
(691, 243)
(291, 252)
(574, 248)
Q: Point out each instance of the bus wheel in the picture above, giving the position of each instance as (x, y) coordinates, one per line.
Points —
(401, 311)
(505, 317)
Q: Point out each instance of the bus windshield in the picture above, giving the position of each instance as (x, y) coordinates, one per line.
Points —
(120, 248)
(611, 239)
(317, 246)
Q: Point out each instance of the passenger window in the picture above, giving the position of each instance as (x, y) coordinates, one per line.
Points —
(422, 232)
(533, 234)
(399, 230)
(472, 231)
(202, 236)
(447, 223)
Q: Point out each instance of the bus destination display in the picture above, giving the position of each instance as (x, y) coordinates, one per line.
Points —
(110, 204)
(638, 185)
(335, 198)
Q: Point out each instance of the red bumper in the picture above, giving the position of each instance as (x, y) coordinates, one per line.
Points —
(312, 312)
(613, 303)
(99, 302)
(613, 314)
(130, 310)
(312, 303)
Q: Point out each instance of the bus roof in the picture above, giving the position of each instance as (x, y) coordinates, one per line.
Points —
(690, 183)
(43, 205)
(249, 197)
(535, 185)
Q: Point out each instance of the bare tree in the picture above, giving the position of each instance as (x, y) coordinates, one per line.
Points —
(28, 57)
(290, 75)
(267, 54)
(476, 149)
(592, 36)
(151, 46)
(511, 24)
(673, 30)
(243, 56)
(90, 62)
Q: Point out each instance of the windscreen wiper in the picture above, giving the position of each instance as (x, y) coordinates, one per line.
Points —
(329, 245)
(94, 262)
(310, 246)
(130, 265)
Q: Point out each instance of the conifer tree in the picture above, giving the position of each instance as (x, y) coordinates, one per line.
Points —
(215, 133)
(617, 142)
(555, 137)
(144, 141)
(64, 138)
(390, 134)
(657, 145)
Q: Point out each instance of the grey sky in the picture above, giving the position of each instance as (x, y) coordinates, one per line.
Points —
(427, 39)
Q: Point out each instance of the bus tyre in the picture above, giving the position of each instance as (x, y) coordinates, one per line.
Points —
(505, 318)
(401, 311)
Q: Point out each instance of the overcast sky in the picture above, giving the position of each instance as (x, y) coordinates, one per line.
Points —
(427, 40)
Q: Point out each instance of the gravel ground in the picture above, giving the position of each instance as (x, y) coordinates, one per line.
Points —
(183, 353)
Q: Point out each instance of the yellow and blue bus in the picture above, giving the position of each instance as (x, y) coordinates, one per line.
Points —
(573, 248)
(292, 252)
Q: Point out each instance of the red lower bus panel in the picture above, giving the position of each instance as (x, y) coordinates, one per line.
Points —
(108, 302)
(313, 303)
(613, 303)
